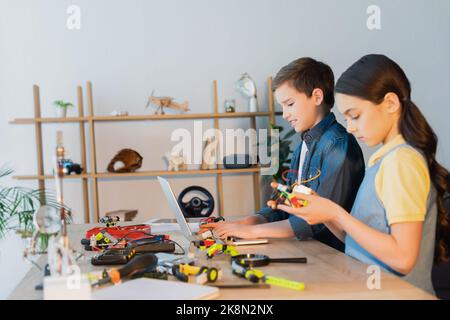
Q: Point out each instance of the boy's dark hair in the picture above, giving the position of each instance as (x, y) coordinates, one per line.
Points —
(305, 75)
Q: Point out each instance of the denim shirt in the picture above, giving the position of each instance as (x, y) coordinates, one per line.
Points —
(339, 158)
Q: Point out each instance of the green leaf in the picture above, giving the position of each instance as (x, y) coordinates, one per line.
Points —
(18, 204)
(62, 104)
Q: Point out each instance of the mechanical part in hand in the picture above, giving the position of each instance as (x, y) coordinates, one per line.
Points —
(283, 194)
(131, 161)
(196, 206)
(218, 248)
(138, 264)
(109, 221)
(255, 276)
(259, 260)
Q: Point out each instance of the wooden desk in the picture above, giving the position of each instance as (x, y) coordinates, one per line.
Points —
(329, 274)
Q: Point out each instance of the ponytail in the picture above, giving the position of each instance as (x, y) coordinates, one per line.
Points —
(419, 134)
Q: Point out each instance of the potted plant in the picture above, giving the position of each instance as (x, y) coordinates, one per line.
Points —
(17, 207)
(61, 108)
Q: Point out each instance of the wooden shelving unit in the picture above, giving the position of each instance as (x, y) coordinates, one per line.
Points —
(142, 117)
(94, 175)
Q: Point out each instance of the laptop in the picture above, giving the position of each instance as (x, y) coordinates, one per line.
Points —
(175, 207)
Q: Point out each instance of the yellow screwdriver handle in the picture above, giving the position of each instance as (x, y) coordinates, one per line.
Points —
(289, 284)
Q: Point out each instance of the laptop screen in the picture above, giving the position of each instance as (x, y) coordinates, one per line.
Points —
(175, 207)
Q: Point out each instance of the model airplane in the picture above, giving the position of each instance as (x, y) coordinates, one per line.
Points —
(166, 102)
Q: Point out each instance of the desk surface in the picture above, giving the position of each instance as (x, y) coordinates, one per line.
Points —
(329, 274)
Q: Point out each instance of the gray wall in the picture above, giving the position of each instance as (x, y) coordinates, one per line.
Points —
(128, 48)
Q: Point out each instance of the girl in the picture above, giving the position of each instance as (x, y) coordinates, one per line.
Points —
(398, 220)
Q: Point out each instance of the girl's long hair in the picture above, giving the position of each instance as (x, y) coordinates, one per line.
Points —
(370, 78)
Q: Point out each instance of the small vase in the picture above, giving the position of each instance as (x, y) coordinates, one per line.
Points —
(61, 112)
(253, 104)
(230, 105)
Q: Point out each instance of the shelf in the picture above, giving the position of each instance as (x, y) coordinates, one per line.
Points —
(144, 174)
(183, 116)
(89, 119)
(47, 120)
(49, 177)
(176, 173)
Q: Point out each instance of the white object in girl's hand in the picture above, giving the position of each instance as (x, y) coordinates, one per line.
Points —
(301, 189)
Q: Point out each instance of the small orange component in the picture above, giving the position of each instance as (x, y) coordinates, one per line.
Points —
(114, 275)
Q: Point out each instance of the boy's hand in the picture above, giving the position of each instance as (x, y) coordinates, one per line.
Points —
(213, 225)
(224, 230)
(318, 210)
(209, 226)
(228, 229)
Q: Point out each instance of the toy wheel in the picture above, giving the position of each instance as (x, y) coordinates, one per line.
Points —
(212, 274)
(77, 169)
(74, 168)
(203, 269)
(251, 277)
(178, 274)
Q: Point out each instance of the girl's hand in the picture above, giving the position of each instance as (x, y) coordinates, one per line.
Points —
(318, 210)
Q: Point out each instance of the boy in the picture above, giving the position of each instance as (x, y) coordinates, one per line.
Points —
(327, 155)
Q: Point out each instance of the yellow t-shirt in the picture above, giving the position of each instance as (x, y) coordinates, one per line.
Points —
(402, 183)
